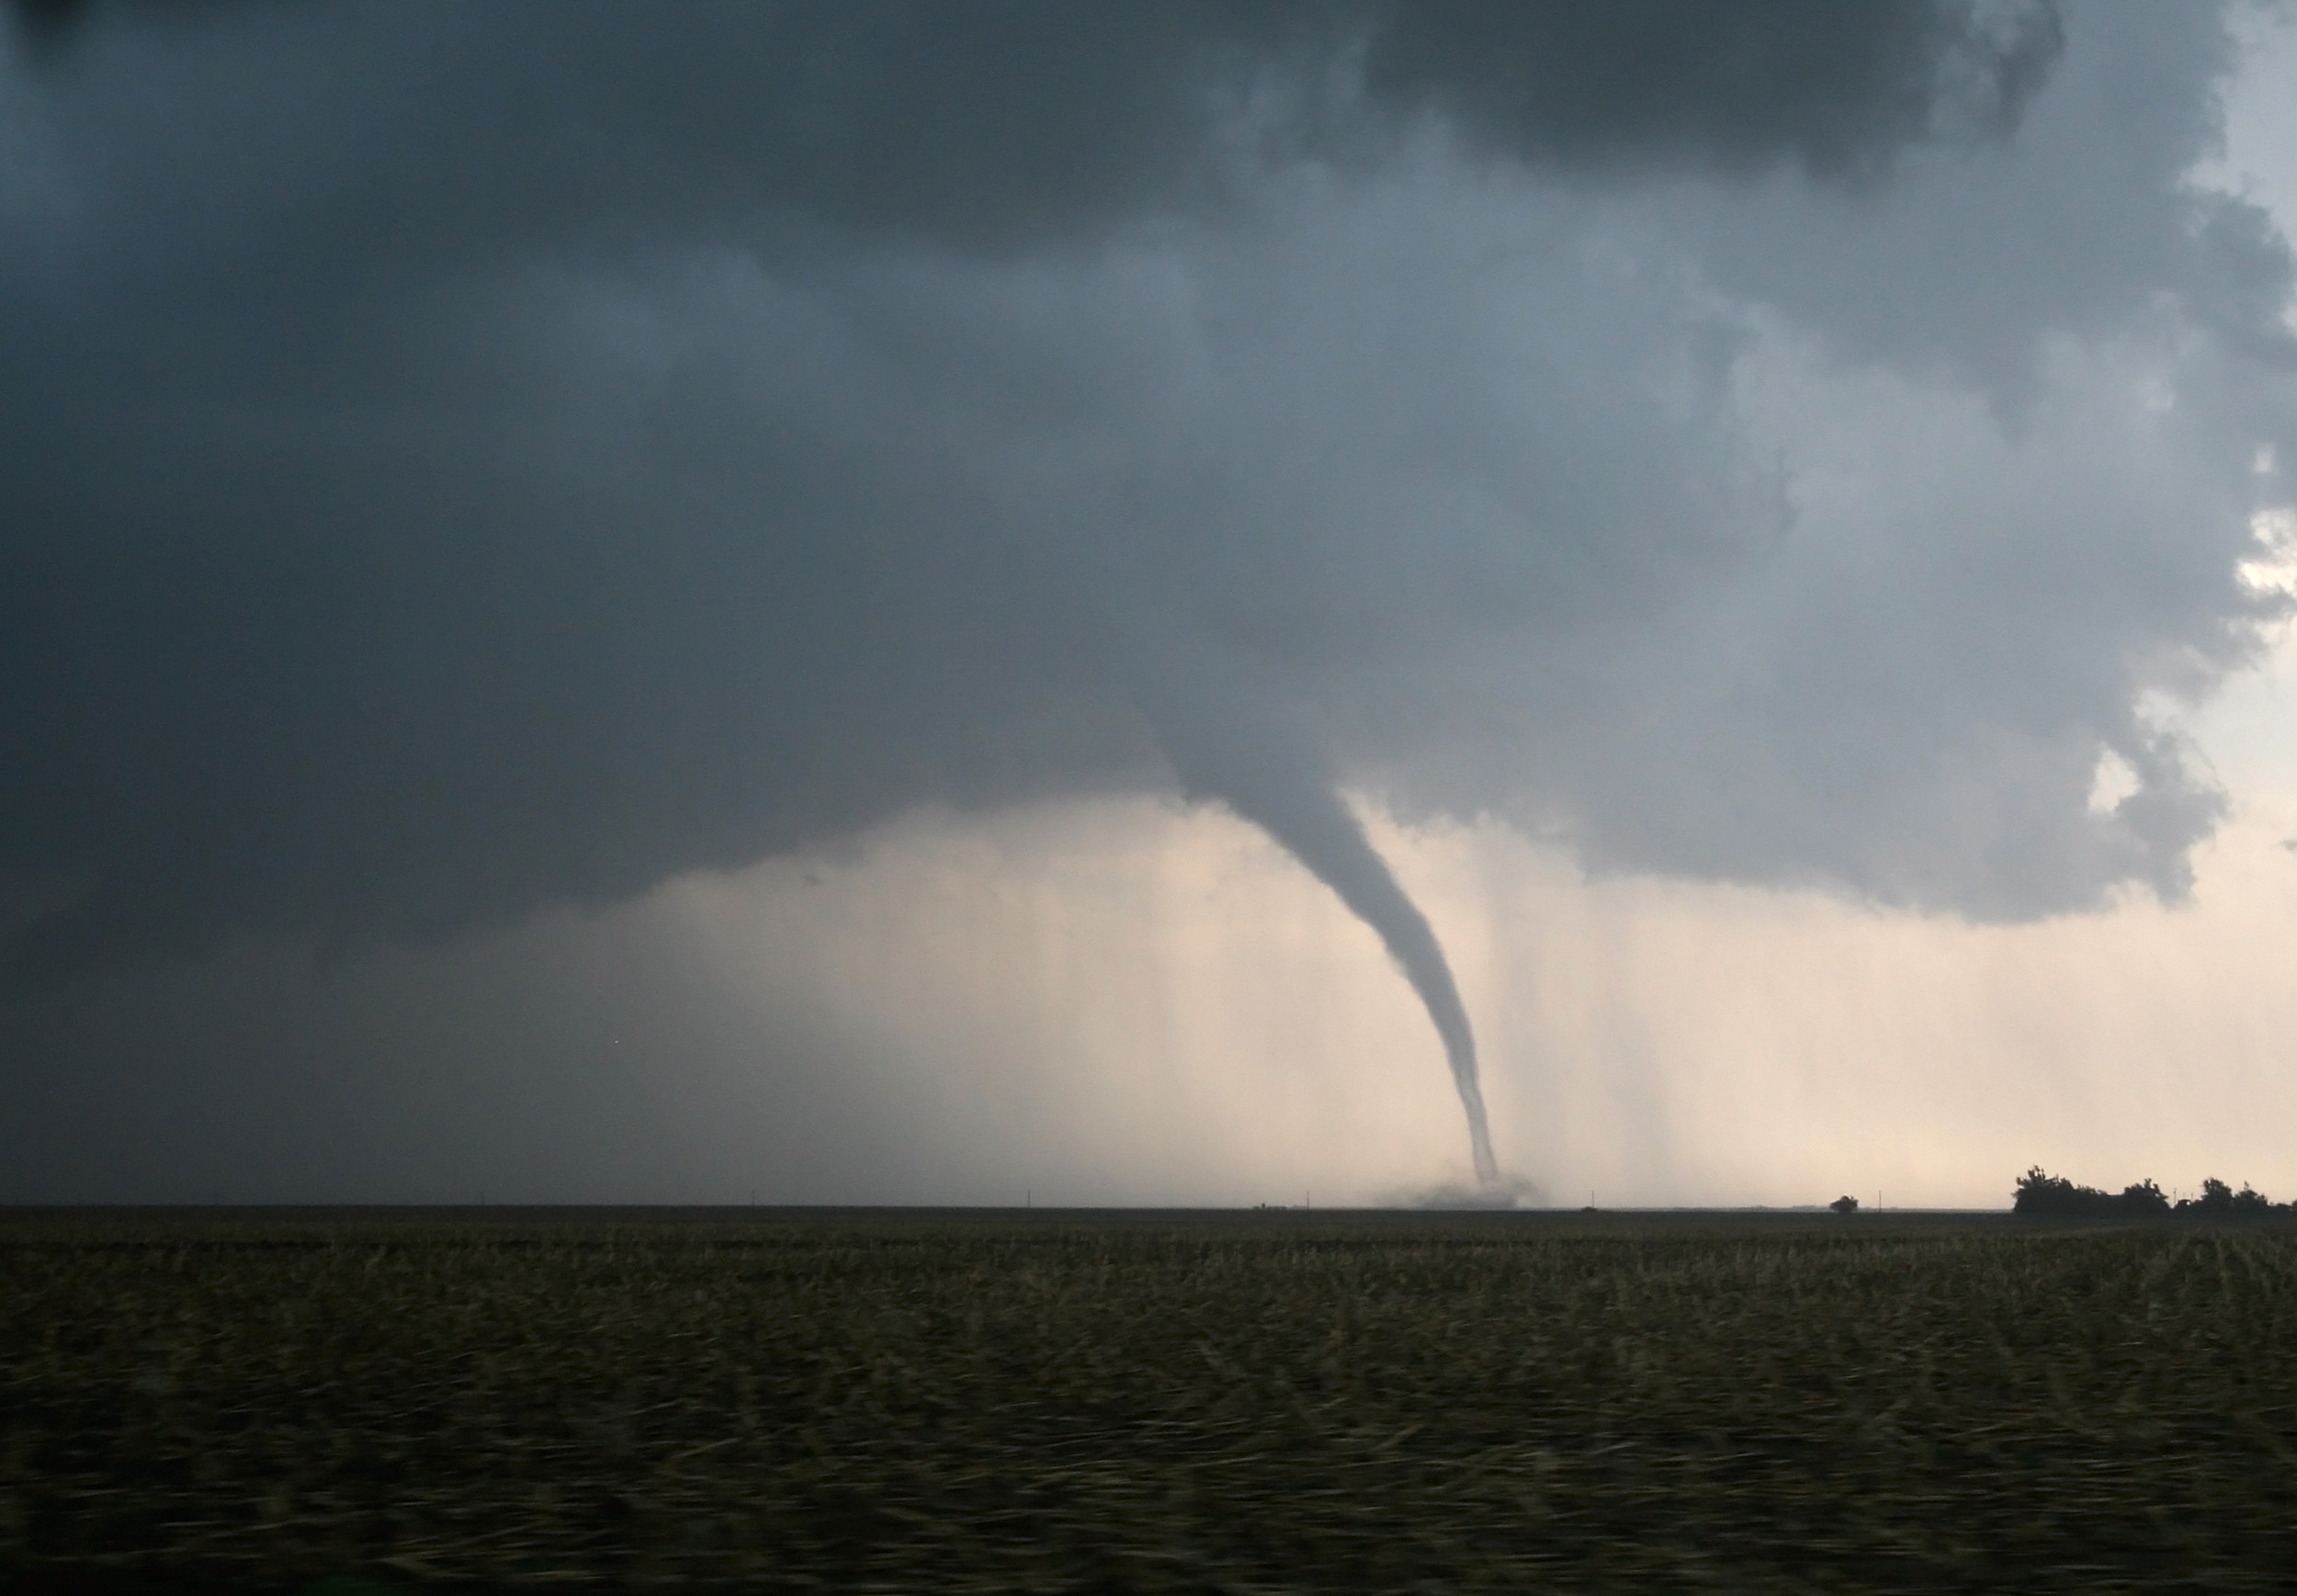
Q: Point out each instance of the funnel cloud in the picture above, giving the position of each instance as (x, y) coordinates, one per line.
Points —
(1226, 745)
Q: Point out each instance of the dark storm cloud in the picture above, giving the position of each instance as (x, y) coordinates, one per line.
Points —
(993, 125)
(467, 460)
(1843, 89)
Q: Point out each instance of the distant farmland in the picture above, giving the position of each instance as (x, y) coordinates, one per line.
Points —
(1269, 1402)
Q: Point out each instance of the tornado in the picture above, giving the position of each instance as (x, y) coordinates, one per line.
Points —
(1228, 748)
(1318, 829)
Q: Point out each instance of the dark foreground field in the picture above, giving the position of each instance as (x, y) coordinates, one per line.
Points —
(1107, 1403)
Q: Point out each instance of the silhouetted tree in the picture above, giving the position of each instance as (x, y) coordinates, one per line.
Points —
(2220, 1200)
(1845, 1204)
(2041, 1194)
(2145, 1200)
(2216, 1201)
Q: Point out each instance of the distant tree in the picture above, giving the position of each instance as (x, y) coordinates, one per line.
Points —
(1845, 1204)
(2145, 1200)
(2220, 1200)
(2041, 1194)
(2252, 1205)
(2216, 1201)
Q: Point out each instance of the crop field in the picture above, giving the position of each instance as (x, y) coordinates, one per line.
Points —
(1104, 1403)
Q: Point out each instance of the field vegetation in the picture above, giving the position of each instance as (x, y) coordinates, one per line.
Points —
(1272, 1402)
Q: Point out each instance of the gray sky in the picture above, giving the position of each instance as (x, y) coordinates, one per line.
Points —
(598, 607)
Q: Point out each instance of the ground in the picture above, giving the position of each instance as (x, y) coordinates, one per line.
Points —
(261, 1401)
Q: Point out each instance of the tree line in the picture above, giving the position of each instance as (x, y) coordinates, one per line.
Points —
(2041, 1194)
